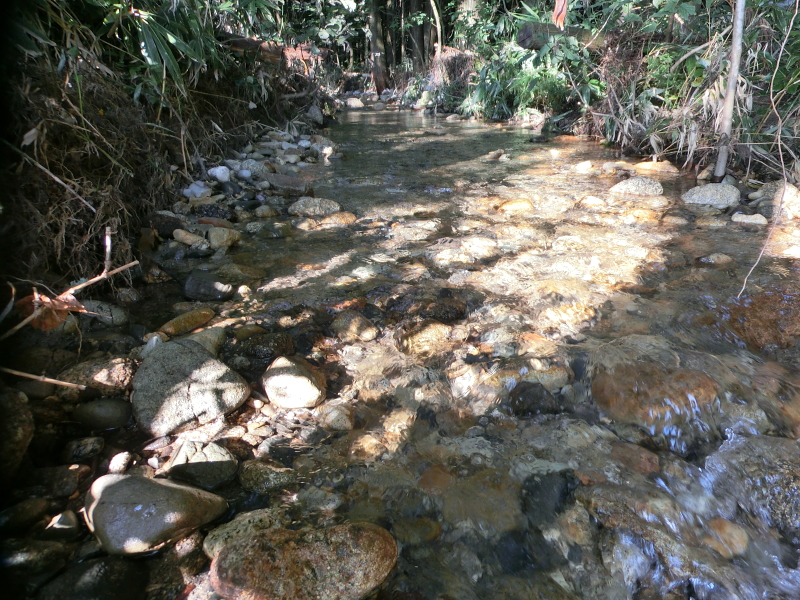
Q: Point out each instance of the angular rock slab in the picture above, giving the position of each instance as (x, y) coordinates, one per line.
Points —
(131, 514)
(345, 562)
(180, 384)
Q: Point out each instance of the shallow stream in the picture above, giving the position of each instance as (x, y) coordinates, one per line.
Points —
(560, 397)
(566, 397)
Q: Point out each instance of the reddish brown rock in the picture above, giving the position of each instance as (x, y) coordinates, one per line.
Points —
(636, 458)
(345, 562)
(651, 395)
(771, 317)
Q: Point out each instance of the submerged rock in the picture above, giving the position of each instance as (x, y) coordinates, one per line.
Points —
(351, 326)
(206, 287)
(760, 474)
(345, 562)
(263, 477)
(131, 514)
(243, 526)
(314, 207)
(181, 384)
(107, 578)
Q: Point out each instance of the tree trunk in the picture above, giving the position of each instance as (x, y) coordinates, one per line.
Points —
(439, 40)
(391, 37)
(726, 122)
(417, 43)
(377, 48)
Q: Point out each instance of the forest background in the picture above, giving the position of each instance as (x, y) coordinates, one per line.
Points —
(117, 103)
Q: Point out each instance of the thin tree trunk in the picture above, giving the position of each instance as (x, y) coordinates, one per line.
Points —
(377, 48)
(417, 43)
(730, 92)
(439, 41)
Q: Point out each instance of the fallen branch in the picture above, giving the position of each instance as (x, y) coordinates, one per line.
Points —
(63, 297)
(75, 386)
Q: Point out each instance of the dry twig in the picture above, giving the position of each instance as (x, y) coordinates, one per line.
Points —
(42, 378)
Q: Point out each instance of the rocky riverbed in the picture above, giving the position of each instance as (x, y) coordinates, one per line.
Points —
(422, 358)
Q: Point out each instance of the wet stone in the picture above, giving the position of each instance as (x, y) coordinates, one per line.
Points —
(268, 346)
(544, 496)
(314, 207)
(526, 551)
(221, 237)
(164, 225)
(206, 287)
(283, 564)
(16, 432)
(82, 449)
(107, 578)
(19, 517)
(262, 477)
(243, 526)
(130, 514)
(214, 211)
(99, 415)
(104, 313)
(286, 184)
(762, 475)
(528, 399)
(426, 338)
(351, 326)
(205, 465)
(27, 564)
(64, 526)
(57, 482)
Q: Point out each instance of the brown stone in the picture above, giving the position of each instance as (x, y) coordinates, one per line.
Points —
(729, 539)
(636, 458)
(651, 395)
(345, 562)
(187, 321)
(771, 317)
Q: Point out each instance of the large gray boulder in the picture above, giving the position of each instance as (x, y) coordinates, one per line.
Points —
(131, 514)
(718, 195)
(181, 384)
(639, 186)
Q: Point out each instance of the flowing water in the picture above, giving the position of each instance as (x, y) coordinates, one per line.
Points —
(565, 399)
